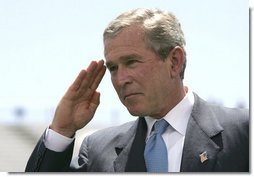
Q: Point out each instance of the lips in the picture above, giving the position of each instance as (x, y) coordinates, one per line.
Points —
(131, 94)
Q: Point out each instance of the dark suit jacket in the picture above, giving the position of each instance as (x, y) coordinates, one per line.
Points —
(222, 133)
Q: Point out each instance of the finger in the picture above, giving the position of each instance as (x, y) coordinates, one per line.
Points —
(98, 78)
(91, 70)
(93, 65)
(100, 64)
(94, 75)
(94, 102)
(89, 77)
(83, 74)
(77, 82)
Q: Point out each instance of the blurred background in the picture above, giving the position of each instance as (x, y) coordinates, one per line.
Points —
(45, 43)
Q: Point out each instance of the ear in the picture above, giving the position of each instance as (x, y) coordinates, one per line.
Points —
(176, 59)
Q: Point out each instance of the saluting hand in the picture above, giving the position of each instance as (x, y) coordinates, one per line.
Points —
(78, 105)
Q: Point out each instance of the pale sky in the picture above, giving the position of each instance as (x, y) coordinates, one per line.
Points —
(45, 43)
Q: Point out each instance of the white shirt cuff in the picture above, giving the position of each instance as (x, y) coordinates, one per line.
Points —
(56, 142)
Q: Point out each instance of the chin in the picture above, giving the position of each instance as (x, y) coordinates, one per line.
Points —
(137, 112)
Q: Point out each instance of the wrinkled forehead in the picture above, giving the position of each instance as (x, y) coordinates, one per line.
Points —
(130, 36)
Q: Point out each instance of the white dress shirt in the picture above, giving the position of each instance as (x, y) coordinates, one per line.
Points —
(56, 142)
(174, 135)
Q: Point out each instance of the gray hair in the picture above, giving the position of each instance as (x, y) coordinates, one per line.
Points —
(162, 30)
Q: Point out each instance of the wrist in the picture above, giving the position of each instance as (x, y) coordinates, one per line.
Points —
(63, 131)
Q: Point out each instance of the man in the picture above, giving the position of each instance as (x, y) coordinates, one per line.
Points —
(145, 55)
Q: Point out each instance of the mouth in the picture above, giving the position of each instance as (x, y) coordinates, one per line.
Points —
(130, 95)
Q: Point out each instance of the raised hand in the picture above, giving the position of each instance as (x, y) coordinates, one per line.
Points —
(78, 105)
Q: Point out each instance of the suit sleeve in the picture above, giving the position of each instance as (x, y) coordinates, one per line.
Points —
(45, 160)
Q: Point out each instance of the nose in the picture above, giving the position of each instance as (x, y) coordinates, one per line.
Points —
(122, 77)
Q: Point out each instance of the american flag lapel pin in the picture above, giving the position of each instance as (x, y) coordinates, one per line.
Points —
(203, 157)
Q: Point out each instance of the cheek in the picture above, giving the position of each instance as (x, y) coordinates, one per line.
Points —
(141, 74)
(157, 85)
(114, 84)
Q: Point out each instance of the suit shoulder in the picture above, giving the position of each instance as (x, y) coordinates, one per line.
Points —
(109, 135)
(222, 114)
(213, 118)
(233, 115)
(120, 129)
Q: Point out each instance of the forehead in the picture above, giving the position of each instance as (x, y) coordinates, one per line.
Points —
(129, 39)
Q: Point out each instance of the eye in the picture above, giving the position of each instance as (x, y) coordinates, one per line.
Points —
(131, 61)
(112, 68)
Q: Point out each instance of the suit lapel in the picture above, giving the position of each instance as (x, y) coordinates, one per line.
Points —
(202, 140)
(123, 148)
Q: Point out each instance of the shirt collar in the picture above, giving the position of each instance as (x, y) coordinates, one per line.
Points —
(178, 117)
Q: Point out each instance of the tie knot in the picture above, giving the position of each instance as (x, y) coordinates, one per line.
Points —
(160, 126)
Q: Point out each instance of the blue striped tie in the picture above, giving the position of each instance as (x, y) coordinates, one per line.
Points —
(156, 155)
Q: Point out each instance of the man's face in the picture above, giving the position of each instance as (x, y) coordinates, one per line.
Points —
(141, 79)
